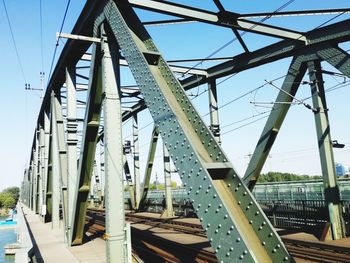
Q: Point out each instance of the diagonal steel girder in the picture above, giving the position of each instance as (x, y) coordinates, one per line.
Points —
(333, 55)
(337, 57)
(149, 167)
(88, 148)
(273, 124)
(317, 40)
(235, 224)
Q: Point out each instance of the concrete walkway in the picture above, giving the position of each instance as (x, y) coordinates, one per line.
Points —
(51, 247)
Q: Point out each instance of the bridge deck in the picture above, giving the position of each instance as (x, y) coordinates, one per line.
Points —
(50, 246)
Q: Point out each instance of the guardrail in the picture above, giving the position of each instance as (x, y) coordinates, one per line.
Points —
(301, 213)
(26, 250)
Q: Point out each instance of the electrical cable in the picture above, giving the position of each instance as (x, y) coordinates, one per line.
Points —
(14, 42)
(335, 87)
(236, 38)
(41, 35)
(59, 36)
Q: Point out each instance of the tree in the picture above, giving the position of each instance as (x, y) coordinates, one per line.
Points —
(281, 177)
(14, 191)
(10, 202)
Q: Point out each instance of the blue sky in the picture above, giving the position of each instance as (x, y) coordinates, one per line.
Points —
(295, 149)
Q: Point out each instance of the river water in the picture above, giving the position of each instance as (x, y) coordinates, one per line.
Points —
(6, 236)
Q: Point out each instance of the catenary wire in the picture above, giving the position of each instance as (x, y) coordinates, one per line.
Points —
(14, 42)
(58, 38)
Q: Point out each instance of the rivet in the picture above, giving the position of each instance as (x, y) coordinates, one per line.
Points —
(238, 239)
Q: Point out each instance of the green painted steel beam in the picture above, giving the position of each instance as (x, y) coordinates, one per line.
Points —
(129, 181)
(115, 233)
(337, 57)
(273, 124)
(88, 148)
(49, 190)
(235, 224)
(61, 152)
(318, 38)
(223, 18)
(149, 167)
(331, 188)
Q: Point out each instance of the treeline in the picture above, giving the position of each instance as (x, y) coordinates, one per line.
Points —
(9, 197)
(280, 177)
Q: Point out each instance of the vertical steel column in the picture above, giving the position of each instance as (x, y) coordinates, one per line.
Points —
(332, 195)
(36, 174)
(102, 172)
(46, 160)
(31, 185)
(135, 133)
(72, 140)
(213, 110)
(115, 221)
(60, 155)
(169, 211)
(42, 168)
(54, 177)
(97, 181)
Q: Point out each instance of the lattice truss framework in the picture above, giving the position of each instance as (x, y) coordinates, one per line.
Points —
(236, 226)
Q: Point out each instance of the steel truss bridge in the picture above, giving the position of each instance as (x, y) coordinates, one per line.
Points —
(109, 35)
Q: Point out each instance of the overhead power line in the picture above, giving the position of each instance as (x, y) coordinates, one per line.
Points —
(41, 35)
(240, 35)
(14, 42)
(58, 38)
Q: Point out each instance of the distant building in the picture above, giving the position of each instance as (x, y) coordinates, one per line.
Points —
(340, 169)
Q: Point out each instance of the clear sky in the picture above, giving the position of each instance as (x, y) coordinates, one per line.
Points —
(295, 149)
